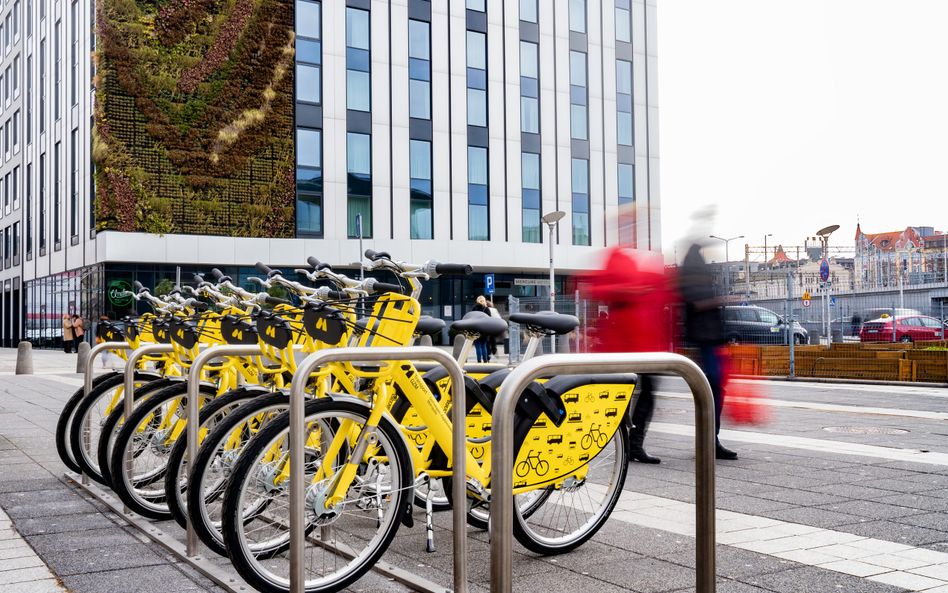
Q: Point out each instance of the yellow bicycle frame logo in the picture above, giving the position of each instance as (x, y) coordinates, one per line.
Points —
(271, 331)
(237, 334)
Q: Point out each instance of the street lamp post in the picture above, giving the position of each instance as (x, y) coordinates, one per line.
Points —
(727, 262)
(551, 220)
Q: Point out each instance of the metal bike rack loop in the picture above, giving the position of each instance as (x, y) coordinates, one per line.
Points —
(459, 447)
(87, 378)
(193, 411)
(502, 500)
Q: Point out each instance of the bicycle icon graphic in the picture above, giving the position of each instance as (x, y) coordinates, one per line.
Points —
(596, 435)
(533, 462)
(590, 398)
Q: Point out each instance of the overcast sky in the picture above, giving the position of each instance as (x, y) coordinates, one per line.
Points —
(793, 115)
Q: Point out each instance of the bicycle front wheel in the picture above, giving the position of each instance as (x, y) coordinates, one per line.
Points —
(577, 508)
(345, 541)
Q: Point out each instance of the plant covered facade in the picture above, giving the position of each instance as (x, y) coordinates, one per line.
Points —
(193, 124)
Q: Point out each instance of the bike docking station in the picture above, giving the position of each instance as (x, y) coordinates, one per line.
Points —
(502, 451)
(296, 448)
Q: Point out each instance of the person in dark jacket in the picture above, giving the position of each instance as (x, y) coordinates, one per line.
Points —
(482, 344)
(704, 327)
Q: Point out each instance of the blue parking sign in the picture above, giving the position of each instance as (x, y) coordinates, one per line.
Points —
(489, 283)
(832, 301)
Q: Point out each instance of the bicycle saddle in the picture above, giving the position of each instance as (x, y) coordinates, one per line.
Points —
(429, 325)
(547, 321)
(477, 322)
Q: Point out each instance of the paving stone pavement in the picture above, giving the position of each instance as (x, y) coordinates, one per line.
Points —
(88, 548)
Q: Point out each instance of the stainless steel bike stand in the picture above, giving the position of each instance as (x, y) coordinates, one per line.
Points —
(501, 524)
(459, 453)
(87, 383)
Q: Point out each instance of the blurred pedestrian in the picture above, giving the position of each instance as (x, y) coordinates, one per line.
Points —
(68, 335)
(857, 324)
(78, 330)
(100, 328)
(482, 344)
(704, 327)
(633, 284)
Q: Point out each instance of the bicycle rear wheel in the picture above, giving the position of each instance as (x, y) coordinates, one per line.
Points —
(576, 509)
(68, 413)
(351, 537)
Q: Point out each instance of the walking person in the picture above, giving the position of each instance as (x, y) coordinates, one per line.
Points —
(78, 331)
(68, 335)
(633, 285)
(704, 327)
(481, 344)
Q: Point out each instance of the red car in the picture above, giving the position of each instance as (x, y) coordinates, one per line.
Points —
(908, 328)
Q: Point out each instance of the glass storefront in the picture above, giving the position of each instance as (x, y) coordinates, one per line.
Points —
(48, 299)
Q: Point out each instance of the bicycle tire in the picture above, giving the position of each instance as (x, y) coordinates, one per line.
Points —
(113, 424)
(211, 415)
(557, 538)
(206, 520)
(133, 490)
(259, 573)
(87, 459)
(66, 415)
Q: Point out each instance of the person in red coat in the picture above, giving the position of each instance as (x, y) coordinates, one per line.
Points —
(638, 294)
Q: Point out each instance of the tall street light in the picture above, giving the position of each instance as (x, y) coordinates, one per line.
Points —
(551, 220)
(765, 249)
(727, 262)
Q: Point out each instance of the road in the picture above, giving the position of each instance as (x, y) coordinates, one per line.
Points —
(843, 490)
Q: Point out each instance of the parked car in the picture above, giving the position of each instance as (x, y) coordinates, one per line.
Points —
(756, 325)
(908, 328)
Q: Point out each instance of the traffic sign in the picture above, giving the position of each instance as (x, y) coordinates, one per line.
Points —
(806, 303)
(744, 305)
(824, 270)
(832, 301)
(489, 283)
(806, 296)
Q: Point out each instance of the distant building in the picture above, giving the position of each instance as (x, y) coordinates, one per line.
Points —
(911, 254)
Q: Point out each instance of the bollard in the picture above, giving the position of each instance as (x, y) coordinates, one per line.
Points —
(459, 341)
(83, 351)
(426, 341)
(24, 358)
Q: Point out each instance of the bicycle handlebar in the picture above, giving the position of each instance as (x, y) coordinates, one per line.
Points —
(454, 269)
(317, 265)
(375, 255)
(272, 300)
(138, 286)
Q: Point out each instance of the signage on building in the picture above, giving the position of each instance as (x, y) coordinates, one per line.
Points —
(116, 290)
(531, 282)
(489, 283)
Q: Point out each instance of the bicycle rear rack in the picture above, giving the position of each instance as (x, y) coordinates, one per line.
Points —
(501, 524)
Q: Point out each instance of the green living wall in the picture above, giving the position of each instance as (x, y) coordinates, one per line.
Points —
(193, 128)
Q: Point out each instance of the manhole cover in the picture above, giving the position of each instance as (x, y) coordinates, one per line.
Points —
(669, 411)
(865, 429)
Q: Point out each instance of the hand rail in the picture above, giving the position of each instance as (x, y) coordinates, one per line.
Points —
(128, 398)
(459, 448)
(502, 460)
(193, 411)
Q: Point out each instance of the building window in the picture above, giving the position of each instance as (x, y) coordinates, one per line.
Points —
(359, 159)
(6, 246)
(530, 182)
(624, 102)
(74, 80)
(626, 174)
(528, 11)
(309, 181)
(16, 240)
(16, 20)
(529, 88)
(422, 221)
(478, 227)
(476, 79)
(577, 16)
(16, 187)
(623, 21)
(358, 78)
(57, 75)
(16, 131)
(8, 32)
(42, 89)
(74, 183)
(309, 52)
(16, 76)
(419, 69)
(7, 79)
(29, 206)
(580, 202)
(577, 95)
(42, 201)
(29, 17)
(57, 195)
(29, 99)
(6, 193)
(478, 5)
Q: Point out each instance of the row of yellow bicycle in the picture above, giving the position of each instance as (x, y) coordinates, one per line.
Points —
(377, 437)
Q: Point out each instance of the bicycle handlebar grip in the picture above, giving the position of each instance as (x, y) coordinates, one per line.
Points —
(272, 300)
(454, 269)
(198, 279)
(315, 263)
(195, 304)
(385, 287)
(375, 255)
(138, 286)
(217, 274)
(262, 268)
